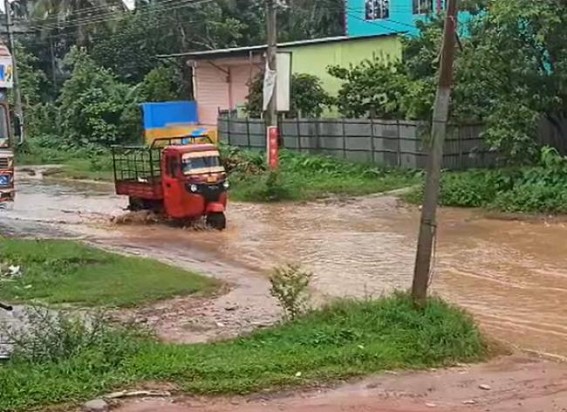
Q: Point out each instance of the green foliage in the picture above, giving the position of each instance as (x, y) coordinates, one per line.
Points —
(131, 50)
(537, 189)
(67, 272)
(340, 341)
(509, 74)
(311, 19)
(307, 177)
(160, 85)
(92, 105)
(290, 286)
(308, 98)
(373, 88)
(31, 78)
(51, 337)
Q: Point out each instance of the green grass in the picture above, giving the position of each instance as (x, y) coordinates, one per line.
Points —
(341, 341)
(76, 165)
(57, 272)
(535, 189)
(301, 177)
(307, 177)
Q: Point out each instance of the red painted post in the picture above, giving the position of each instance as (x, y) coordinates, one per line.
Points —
(273, 149)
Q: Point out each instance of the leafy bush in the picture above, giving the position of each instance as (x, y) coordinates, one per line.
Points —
(537, 189)
(48, 336)
(308, 98)
(92, 105)
(290, 286)
(307, 177)
(162, 84)
(380, 88)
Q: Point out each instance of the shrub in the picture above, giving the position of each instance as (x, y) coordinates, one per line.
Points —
(536, 189)
(290, 286)
(92, 105)
(49, 336)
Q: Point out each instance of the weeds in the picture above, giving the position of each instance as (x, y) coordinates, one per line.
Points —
(537, 189)
(47, 336)
(343, 340)
(307, 177)
(290, 286)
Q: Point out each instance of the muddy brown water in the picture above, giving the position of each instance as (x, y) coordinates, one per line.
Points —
(511, 275)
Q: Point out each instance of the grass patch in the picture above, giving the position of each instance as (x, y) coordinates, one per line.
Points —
(344, 340)
(537, 189)
(307, 177)
(300, 177)
(78, 165)
(57, 272)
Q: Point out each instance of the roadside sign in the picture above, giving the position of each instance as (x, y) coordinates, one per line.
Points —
(6, 72)
(272, 140)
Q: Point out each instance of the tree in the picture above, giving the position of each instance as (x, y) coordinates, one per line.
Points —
(162, 84)
(509, 73)
(93, 105)
(373, 88)
(310, 19)
(308, 98)
(83, 17)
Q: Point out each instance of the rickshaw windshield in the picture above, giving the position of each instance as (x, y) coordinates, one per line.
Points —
(4, 128)
(205, 162)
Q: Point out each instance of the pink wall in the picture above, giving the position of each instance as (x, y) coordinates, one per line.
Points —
(223, 85)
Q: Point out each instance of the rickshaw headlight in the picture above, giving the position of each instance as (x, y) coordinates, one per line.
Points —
(193, 188)
(225, 184)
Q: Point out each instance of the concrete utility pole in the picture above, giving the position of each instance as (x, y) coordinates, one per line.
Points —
(17, 92)
(428, 224)
(271, 20)
(270, 80)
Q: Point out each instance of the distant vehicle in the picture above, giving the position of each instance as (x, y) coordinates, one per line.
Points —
(184, 181)
(7, 137)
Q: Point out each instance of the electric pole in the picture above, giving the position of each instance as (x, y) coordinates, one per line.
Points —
(428, 224)
(270, 82)
(271, 20)
(17, 92)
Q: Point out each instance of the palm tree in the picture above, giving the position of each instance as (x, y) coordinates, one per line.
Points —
(83, 17)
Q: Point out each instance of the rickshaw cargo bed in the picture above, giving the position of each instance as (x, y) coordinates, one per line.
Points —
(142, 190)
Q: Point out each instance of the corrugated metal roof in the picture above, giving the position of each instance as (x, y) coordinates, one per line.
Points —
(244, 50)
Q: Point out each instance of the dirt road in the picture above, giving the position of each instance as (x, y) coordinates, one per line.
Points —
(507, 385)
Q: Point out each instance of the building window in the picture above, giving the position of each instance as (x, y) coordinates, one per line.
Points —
(377, 9)
(423, 6)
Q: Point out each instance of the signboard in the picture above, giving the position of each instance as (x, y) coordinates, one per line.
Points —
(272, 140)
(283, 81)
(6, 72)
(280, 79)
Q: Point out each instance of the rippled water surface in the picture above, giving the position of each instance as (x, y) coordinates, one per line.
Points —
(512, 275)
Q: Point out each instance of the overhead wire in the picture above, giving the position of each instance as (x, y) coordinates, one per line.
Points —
(112, 16)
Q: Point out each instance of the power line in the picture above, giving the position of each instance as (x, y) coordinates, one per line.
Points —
(86, 10)
(105, 11)
(107, 17)
(116, 16)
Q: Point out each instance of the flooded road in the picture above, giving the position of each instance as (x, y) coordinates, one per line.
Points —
(511, 275)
